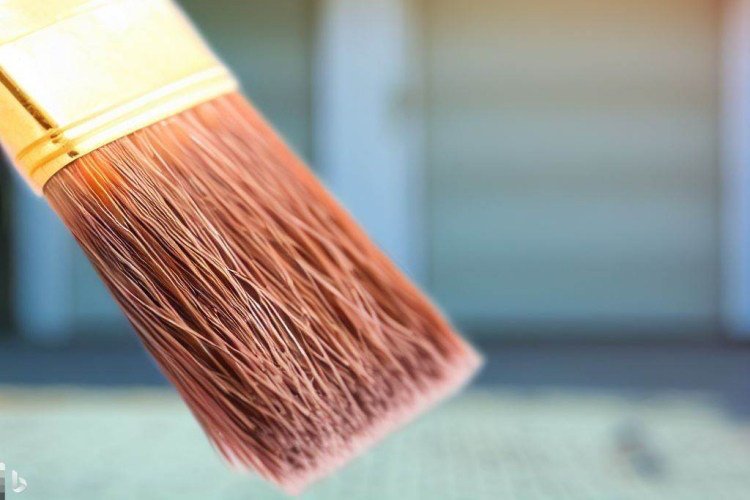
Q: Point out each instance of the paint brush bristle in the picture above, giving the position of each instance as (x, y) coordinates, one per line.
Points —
(293, 339)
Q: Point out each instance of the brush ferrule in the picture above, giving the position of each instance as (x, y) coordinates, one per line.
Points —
(78, 74)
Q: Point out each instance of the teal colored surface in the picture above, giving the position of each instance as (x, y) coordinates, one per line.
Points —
(75, 444)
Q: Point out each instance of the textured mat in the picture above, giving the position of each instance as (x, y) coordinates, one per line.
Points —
(127, 444)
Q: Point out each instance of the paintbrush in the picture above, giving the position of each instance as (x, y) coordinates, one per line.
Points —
(294, 341)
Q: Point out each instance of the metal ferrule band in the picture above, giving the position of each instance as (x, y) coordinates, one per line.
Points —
(76, 75)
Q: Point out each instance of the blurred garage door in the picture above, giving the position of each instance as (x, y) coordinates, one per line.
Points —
(572, 152)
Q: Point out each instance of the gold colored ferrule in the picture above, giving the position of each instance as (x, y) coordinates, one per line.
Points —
(78, 74)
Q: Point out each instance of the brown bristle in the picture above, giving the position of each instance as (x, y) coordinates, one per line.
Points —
(292, 338)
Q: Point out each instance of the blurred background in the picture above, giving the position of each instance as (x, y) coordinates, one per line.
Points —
(568, 180)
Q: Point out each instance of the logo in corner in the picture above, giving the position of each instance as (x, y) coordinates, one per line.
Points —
(17, 483)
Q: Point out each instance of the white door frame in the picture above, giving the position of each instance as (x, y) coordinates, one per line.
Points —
(735, 134)
(367, 120)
